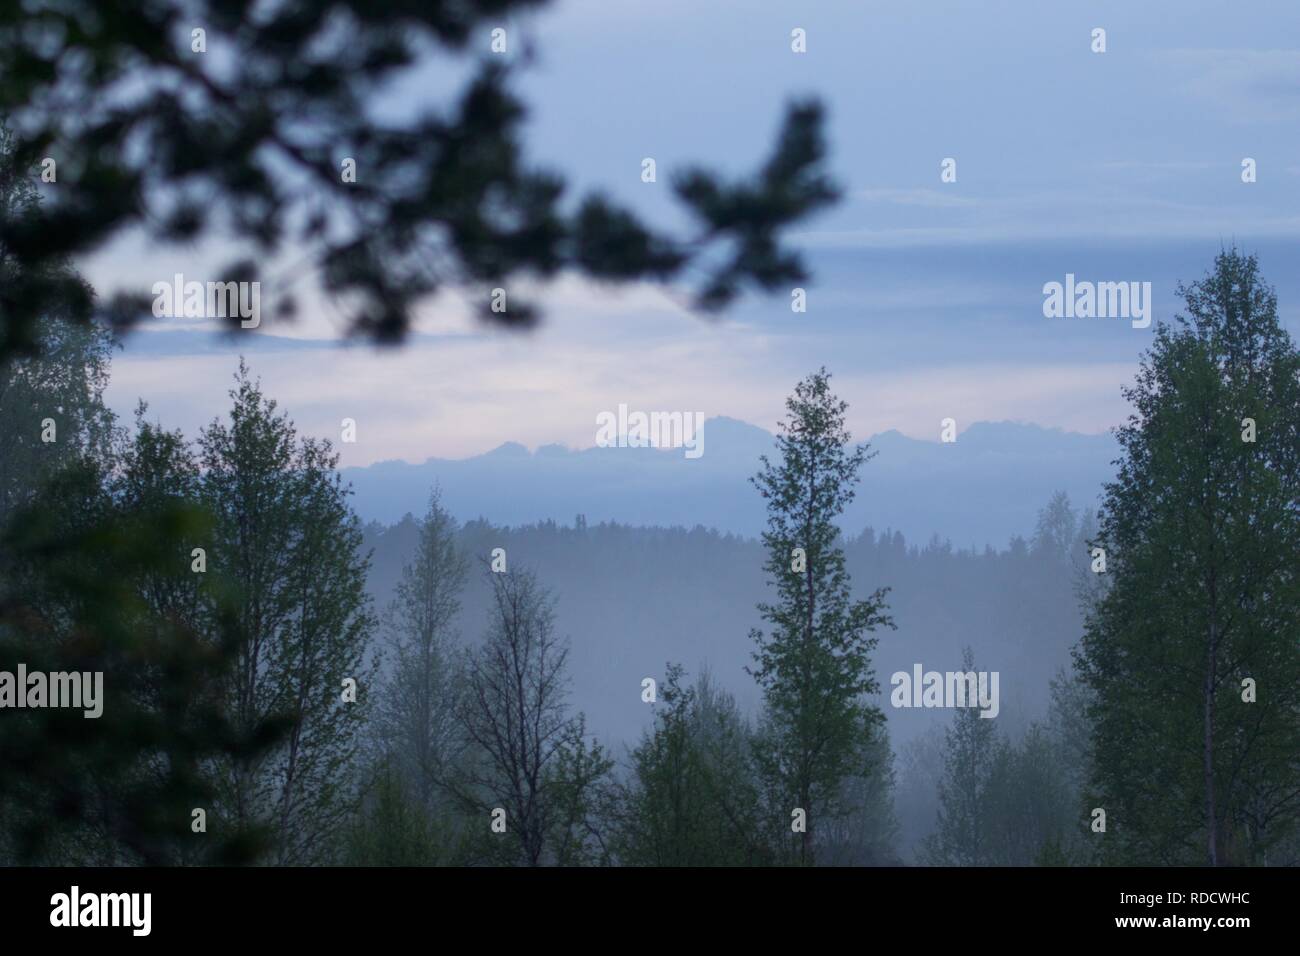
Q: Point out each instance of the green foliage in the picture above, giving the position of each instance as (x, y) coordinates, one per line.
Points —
(416, 720)
(691, 798)
(1005, 802)
(1202, 538)
(1031, 807)
(576, 786)
(972, 748)
(63, 386)
(283, 533)
(392, 827)
(814, 665)
(87, 588)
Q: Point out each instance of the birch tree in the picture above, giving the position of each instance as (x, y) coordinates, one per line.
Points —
(1192, 654)
(286, 540)
(515, 717)
(814, 660)
(417, 717)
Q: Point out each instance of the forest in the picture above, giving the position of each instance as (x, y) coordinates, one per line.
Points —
(208, 658)
(285, 685)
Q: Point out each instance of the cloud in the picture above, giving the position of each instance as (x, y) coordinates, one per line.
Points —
(929, 198)
(456, 395)
(1091, 211)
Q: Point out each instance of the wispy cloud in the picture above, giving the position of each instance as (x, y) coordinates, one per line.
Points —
(928, 198)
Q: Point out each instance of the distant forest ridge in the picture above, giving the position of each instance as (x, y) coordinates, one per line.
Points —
(633, 598)
(982, 489)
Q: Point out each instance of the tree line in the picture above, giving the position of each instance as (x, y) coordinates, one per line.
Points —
(221, 586)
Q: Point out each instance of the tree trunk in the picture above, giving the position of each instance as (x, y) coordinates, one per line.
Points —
(1211, 815)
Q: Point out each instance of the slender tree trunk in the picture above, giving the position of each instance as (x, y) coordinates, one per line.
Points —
(805, 838)
(805, 795)
(1211, 815)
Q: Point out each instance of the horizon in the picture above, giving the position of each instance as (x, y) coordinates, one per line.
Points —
(467, 389)
(533, 450)
(220, 356)
(556, 433)
(926, 294)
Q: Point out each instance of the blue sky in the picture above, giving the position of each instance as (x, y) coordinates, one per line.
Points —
(927, 300)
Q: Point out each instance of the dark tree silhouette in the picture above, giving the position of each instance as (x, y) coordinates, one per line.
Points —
(248, 137)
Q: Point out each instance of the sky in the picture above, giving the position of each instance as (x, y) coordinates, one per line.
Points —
(926, 301)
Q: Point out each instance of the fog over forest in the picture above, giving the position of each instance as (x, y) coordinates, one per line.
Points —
(564, 433)
(633, 598)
